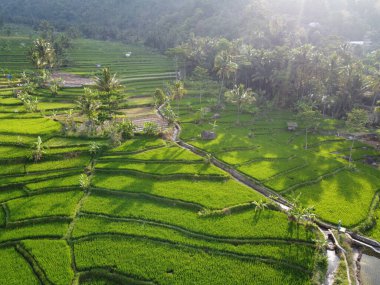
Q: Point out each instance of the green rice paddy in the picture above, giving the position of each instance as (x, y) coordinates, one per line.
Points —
(156, 213)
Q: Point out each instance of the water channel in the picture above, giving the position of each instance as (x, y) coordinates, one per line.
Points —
(370, 268)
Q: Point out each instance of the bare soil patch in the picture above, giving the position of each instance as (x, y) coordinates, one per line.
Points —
(72, 80)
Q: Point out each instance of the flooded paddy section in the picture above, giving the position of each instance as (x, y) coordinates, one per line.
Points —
(370, 268)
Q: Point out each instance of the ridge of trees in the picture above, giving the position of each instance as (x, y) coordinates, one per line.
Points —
(165, 24)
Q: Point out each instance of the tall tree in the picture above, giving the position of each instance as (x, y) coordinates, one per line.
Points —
(356, 122)
(201, 75)
(178, 91)
(309, 117)
(240, 97)
(109, 86)
(89, 106)
(225, 68)
(42, 54)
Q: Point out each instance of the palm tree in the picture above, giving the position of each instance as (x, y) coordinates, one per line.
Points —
(356, 121)
(42, 54)
(299, 212)
(224, 67)
(201, 74)
(89, 105)
(178, 91)
(260, 205)
(309, 117)
(108, 85)
(240, 97)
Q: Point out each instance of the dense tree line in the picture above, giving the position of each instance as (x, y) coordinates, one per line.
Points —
(332, 78)
(164, 24)
(285, 51)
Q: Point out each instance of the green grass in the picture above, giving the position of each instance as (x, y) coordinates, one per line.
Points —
(170, 153)
(9, 152)
(15, 269)
(41, 126)
(278, 159)
(162, 169)
(7, 194)
(79, 162)
(347, 196)
(262, 170)
(31, 178)
(144, 226)
(2, 217)
(165, 264)
(68, 181)
(44, 205)
(72, 141)
(210, 194)
(52, 230)
(248, 224)
(11, 169)
(56, 261)
(375, 232)
(298, 254)
(139, 144)
(15, 138)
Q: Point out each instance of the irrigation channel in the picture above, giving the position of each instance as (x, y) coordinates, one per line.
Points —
(368, 264)
(369, 268)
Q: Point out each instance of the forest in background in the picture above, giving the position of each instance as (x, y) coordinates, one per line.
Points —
(288, 52)
(165, 24)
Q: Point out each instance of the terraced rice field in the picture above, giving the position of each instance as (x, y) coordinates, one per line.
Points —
(141, 73)
(154, 213)
(263, 149)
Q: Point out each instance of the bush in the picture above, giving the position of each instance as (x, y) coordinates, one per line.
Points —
(127, 129)
(150, 129)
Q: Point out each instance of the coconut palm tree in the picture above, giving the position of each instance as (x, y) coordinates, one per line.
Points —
(356, 121)
(240, 97)
(260, 205)
(89, 105)
(309, 116)
(225, 68)
(300, 212)
(108, 85)
(178, 91)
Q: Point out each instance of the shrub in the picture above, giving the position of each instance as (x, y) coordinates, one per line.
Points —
(150, 129)
(127, 129)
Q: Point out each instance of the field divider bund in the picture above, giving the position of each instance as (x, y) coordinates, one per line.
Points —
(165, 177)
(36, 180)
(151, 161)
(37, 269)
(198, 235)
(39, 220)
(314, 181)
(151, 197)
(241, 177)
(112, 275)
(282, 173)
(109, 153)
(24, 174)
(240, 256)
(12, 242)
(236, 174)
